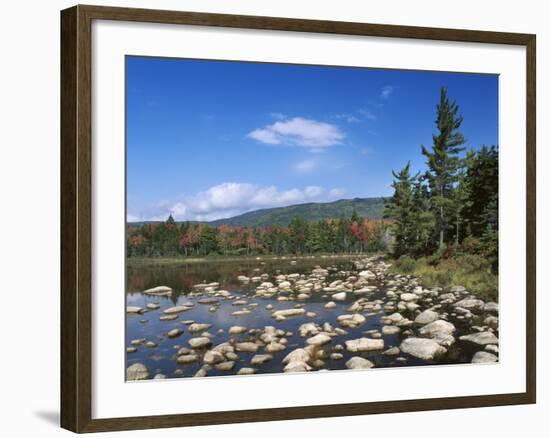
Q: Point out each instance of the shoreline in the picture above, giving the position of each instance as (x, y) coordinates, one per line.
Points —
(137, 261)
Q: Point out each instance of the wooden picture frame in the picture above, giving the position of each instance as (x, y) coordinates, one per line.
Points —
(76, 217)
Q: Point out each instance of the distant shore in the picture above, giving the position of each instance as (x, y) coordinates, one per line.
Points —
(226, 259)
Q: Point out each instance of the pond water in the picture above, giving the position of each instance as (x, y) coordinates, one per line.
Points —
(181, 277)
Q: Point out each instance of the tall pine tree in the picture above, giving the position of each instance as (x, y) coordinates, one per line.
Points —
(443, 163)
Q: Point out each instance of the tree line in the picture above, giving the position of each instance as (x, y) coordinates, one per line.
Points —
(453, 205)
(344, 235)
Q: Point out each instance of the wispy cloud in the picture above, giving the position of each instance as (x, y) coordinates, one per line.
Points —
(350, 118)
(367, 114)
(232, 198)
(386, 92)
(306, 166)
(299, 131)
(277, 116)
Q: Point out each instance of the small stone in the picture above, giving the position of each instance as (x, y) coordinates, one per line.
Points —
(330, 305)
(174, 333)
(246, 371)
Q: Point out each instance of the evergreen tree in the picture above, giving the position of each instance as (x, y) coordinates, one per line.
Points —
(443, 163)
(401, 209)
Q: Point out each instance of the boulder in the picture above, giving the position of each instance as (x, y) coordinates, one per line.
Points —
(249, 347)
(187, 358)
(481, 338)
(340, 296)
(260, 359)
(351, 321)
(318, 340)
(159, 291)
(237, 330)
(440, 331)
(197, 327)
(389, 330)
(225, 366)
(359, 363)
(174, 333)
(212, 357)
(426, 317)
(176, 309)
(288, 312)
(484, 357)
(364, 344)
(426, 349)
(471, 304)
(134, 309)
(137, 371)
(200, 342)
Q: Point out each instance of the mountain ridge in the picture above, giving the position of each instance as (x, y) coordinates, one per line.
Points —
(372, 208)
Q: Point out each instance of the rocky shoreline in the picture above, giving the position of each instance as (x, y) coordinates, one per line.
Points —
(413, 323)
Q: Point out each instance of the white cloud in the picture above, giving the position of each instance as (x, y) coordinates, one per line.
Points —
(232, 198)
(306, 166)
(386, 92)
(299, 132)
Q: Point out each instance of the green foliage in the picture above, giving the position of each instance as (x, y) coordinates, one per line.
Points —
(310, 212)
(452, 209)
(299, 237)
(472, 271)
(405, 264)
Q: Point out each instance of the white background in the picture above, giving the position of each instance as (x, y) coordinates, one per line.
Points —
(29, 221)
(112, 397)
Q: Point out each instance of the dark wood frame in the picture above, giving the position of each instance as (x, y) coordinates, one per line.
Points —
(76, 237)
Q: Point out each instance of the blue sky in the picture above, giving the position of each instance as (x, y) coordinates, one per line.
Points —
(211, 139)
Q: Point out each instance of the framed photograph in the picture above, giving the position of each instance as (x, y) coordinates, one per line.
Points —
(269, 218)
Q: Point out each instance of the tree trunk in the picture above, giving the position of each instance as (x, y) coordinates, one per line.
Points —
(441, 231)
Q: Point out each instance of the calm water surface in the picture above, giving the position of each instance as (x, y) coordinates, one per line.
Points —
(182, 277)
